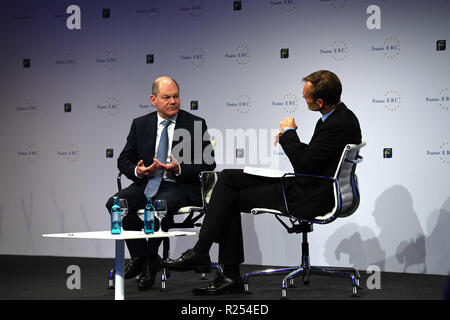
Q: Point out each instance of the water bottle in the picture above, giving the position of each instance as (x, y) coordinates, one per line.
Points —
(149, 217)
(116, 213)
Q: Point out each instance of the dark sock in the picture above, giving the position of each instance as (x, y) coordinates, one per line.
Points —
(202, 246)
(232, 271)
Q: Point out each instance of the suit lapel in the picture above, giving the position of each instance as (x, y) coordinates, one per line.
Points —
(150, 129)
(180, 124)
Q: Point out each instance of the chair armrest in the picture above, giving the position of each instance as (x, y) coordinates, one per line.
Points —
(206, 173)
(119, 181)
(256, 211)
(355, 161)
(190, 209)
(293, 175)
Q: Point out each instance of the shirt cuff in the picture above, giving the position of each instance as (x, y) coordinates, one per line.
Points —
(288, 128)
(135, 172)
(179, 173)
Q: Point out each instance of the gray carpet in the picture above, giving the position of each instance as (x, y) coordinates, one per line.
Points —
(45, 278)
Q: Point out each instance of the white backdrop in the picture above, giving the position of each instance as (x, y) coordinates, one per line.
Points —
(69, 95)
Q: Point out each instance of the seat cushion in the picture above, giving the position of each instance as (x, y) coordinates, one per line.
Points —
(183, 210)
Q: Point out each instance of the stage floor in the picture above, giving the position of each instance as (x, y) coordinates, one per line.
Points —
(45, 278)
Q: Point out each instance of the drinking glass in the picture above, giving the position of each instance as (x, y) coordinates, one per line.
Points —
(160, 211)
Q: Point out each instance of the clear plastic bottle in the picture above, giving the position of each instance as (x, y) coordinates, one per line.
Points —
(116, 217)
(149, 217)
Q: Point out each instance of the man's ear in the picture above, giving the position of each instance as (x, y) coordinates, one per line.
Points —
(320, 102)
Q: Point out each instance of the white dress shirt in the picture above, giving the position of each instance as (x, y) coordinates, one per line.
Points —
(170, 131)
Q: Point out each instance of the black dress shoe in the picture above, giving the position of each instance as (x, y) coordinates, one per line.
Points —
(221, 285)
(149, 270)
(133, 268)
(190, 260)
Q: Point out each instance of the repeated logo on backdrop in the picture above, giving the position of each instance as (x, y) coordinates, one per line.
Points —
(288, 103)
(441, 45)
(29, 152)
(390, 48)
(25, 17)
(242, 104)
(442, 99)
(338, 50)
(29, 107)
(196, 57)
(195, 8)
(110, 60)
(69, 61)
(285, 5)
(241, 54)
(26, 63)
(67, 107)
(387, 153)
(445, 153)
(337, 4)
(391, 100)
(111, 106)
(442, 153)
(109, 153)
(151, 11)
(69, 153)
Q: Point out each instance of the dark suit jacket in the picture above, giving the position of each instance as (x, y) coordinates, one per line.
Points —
(309, 197)
(141, 142)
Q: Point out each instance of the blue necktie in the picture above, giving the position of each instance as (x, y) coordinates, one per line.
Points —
(153, 183)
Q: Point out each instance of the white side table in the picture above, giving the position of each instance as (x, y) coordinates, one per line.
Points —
(120, 252)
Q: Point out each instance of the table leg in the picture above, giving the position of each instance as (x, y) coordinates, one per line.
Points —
(119, 281)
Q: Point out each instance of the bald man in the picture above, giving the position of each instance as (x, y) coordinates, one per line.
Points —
(180, 184)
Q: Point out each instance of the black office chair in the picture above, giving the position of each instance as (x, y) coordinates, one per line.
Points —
(346, 195)
(192, 215)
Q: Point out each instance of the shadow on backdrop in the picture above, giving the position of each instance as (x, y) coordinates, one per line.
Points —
(400, 244)
(438, 225)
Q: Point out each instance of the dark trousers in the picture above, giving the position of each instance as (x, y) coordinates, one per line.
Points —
(169, 191)
(236, 192)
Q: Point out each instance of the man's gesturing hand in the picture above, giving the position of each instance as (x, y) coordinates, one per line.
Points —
(288, 122)
(171, 166)
(142, 170)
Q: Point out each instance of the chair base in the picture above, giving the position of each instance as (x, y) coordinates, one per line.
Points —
(306, 271)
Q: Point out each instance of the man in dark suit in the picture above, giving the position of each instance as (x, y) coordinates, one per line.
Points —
(237, 192)
(179, 166)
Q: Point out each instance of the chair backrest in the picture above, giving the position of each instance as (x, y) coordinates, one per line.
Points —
(208, 180)
(346, 191)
